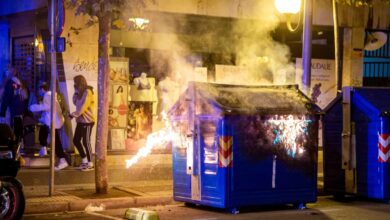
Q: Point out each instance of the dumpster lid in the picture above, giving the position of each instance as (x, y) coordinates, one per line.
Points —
(232, 99)
(374, 98)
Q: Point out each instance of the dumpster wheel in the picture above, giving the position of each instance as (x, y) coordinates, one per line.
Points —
(300, 206)
(234, 211)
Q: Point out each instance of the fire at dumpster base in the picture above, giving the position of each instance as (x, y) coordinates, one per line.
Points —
(158, 138)
(291, 132)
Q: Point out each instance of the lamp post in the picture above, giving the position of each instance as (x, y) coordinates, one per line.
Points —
(289, 7)
(306, 48)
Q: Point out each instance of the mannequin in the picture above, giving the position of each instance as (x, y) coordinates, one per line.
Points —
(142, 82)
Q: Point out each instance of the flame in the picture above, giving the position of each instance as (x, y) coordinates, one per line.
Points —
(289, 130)
(158, 138)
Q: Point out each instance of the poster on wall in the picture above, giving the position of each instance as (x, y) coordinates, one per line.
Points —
(117, 139)
(142, 107)
(139, 120)
(117, 102)
(323, 82)
(117, 114)
(119, 69)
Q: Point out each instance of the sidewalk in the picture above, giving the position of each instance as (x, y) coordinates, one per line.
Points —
(79, 197)
(148, 183)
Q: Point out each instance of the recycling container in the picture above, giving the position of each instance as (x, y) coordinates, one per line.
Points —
(239, 146)
(356, 143)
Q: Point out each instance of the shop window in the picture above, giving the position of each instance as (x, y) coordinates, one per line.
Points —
(23, 59)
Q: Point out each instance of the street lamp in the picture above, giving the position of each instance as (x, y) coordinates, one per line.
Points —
(290, 7)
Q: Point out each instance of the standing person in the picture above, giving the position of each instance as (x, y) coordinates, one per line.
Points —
(15, 97)
(83, 99)
(7, 75)
(45, 108)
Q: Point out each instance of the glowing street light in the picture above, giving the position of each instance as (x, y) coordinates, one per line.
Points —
(288, 6)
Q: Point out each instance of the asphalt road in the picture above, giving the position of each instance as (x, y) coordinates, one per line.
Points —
(326, 208)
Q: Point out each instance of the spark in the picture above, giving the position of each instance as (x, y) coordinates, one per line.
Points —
(289, 130)
(158, 138)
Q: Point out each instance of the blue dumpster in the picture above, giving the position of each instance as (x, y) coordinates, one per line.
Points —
(356, 144)
(241, 146)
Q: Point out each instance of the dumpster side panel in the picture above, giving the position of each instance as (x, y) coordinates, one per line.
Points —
(384, 154)
(181, 180)
(251, 178)
(385, 167)
(213, 177)
(372, 176)
(260, 177)
(334, 177)
(249, 174)
(370, 183)
(371, 173)
(369, 177)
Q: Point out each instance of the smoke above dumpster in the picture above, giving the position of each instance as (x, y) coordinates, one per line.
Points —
(239, 51)
(247, 55)
(267, 61)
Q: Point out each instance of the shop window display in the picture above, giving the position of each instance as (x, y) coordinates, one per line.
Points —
(118, 102)
(139, 120)
(142, 108)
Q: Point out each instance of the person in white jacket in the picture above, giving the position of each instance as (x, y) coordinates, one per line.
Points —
(44, 131)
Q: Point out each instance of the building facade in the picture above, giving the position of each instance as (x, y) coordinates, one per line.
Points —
(229, 41)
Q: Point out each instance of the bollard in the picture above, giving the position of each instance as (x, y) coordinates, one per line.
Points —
(140, 214)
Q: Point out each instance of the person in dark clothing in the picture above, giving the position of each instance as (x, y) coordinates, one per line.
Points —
(15, 97)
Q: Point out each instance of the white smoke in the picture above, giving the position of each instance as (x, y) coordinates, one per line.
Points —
(267, 61)
(260, 59)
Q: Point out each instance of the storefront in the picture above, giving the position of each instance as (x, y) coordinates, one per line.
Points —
(151, 67)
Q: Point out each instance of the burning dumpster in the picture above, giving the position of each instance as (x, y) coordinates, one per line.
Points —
(238, 146)
(356, 144)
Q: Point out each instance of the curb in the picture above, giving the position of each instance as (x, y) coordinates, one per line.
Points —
(108, 203)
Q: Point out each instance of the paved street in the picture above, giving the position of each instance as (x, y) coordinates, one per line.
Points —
(325, 208)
